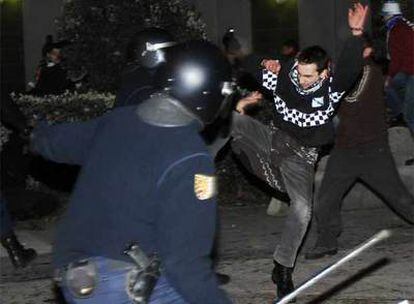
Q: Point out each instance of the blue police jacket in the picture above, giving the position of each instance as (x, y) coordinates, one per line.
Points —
(138, 183)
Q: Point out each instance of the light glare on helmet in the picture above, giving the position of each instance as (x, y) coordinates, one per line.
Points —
(192, 76)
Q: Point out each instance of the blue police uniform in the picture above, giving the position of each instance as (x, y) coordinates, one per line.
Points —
(143, 183)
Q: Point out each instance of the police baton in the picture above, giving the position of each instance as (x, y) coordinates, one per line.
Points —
(380, 236)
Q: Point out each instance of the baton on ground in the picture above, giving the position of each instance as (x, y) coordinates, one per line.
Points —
(382, 235)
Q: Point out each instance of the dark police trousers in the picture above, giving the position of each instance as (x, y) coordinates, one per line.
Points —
(6, 226)
(267, 153)
(106, 283)
(375, 166)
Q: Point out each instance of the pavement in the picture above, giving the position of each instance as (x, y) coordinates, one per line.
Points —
(381, 274)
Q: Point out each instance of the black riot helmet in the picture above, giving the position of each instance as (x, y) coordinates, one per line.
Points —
(147, 47)
(198, 76)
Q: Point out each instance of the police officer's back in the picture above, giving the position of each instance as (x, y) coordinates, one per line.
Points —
(148, 178)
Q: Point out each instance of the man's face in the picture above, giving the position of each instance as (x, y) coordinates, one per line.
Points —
(308, 74)
(54, 55)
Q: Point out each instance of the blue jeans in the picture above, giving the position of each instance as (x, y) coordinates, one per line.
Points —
(6, 226)
(409, 102)
(400, 97)
(110, 286)
(395, 95)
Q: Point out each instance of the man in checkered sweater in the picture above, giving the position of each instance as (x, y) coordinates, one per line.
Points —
(305, 95)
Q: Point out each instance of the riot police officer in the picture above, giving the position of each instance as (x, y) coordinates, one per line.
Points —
(147, 179)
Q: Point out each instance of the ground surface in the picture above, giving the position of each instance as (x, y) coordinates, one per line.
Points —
(383, 274)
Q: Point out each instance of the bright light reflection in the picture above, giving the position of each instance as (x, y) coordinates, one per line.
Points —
(193, 76)
(160, 56)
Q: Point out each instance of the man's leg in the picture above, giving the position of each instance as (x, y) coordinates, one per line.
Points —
(382, 176)
(341, 172)
(277, 207)
(409, 102)
(298, 178)
(394, 99)
(19, 256)
(6, 226)
(252, 143)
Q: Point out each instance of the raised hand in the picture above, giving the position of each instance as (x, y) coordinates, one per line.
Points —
(271, 65)
(357, 16)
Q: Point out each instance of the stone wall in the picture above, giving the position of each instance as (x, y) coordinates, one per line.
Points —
(219, 15)
(273, 22)
(324, 22)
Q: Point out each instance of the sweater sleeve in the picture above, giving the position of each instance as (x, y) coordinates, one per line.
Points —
(348, 67)
(269, 80)
(185, 232)
(64, 143)
(397, 48)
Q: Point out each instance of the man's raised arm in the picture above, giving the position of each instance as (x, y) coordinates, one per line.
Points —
(350, 61)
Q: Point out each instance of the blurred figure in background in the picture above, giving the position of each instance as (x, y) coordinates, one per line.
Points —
(52, 78)
(290, 49)
(362, 152)
(400, 80)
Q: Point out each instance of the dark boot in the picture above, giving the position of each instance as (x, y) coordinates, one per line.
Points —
(19, 256)
(282, 277)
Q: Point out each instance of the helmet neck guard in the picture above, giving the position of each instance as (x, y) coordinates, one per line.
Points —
(162, 110)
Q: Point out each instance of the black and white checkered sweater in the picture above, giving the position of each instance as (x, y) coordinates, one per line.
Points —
(306, 114)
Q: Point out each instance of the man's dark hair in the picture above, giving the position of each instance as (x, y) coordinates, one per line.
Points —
(314, 54)
(291, 43)
(48, 47)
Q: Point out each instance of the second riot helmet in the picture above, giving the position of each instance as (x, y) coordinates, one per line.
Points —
(147, 47)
